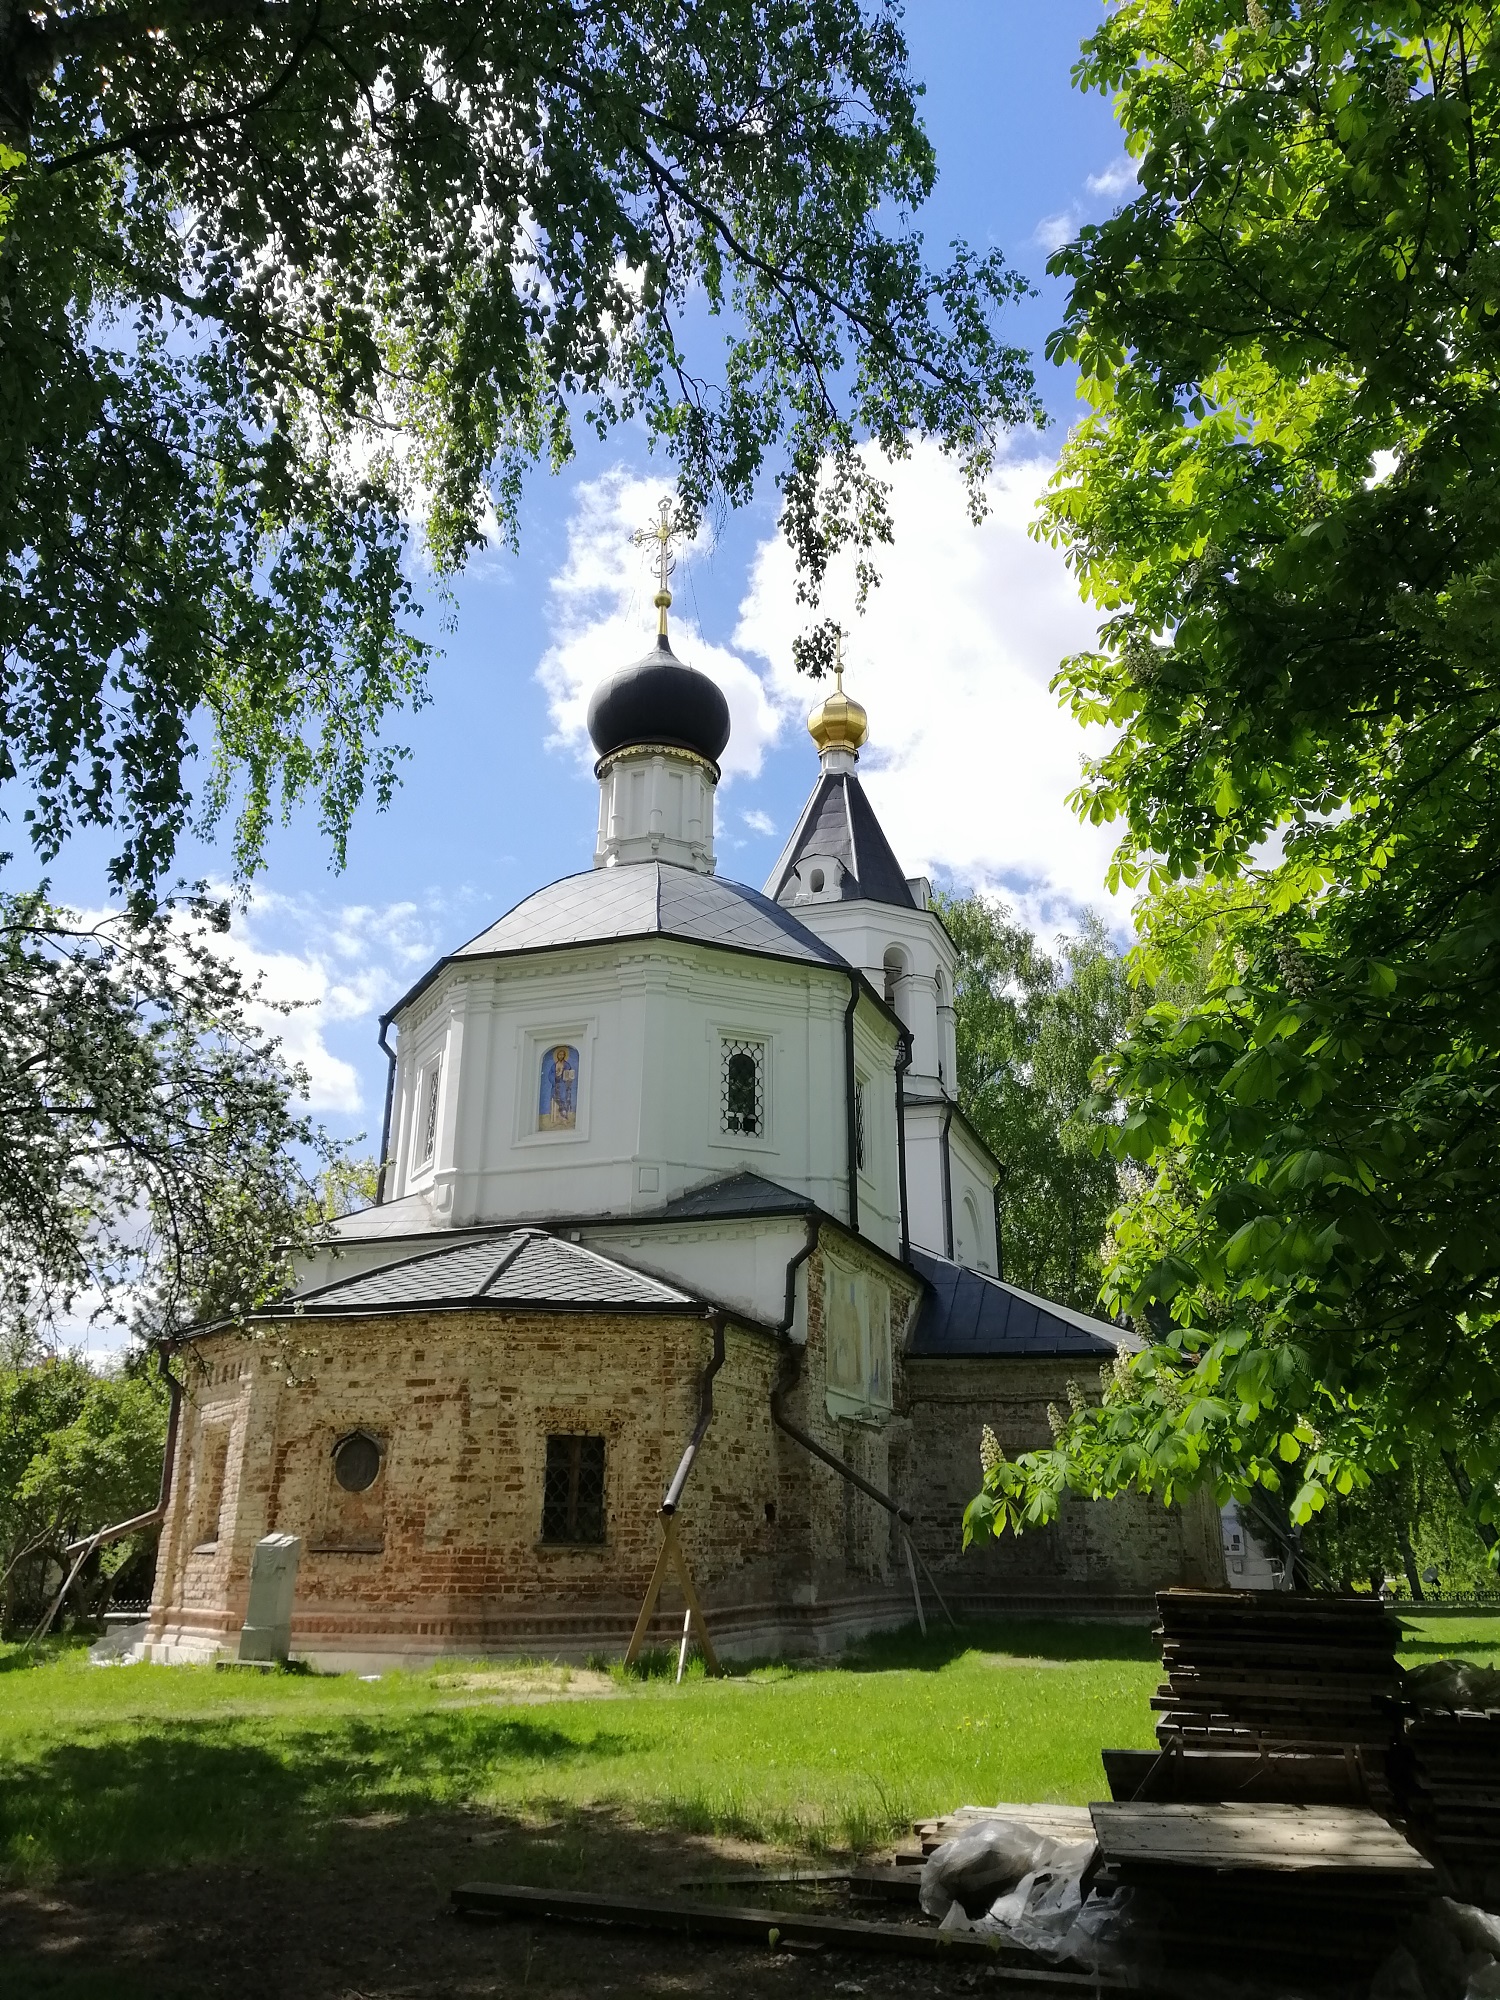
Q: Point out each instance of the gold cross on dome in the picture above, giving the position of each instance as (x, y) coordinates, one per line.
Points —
(664, 531)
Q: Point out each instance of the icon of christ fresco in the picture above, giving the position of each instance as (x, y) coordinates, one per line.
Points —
(557, 1108)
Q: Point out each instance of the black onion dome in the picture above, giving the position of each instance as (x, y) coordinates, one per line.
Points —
(659, 700)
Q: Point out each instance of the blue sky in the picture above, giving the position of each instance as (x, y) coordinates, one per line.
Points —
(970, 759)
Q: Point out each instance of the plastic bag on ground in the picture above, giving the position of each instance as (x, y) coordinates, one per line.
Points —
(1475, 1929)
(1452, 1684)
(1040, 1905)
(977, 1867)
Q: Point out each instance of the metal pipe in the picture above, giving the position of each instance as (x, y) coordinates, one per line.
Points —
(793, 1266)
(903, 1064)
(851, 1085)
(157, 1513)
(908, 1520)
(390, 1099)
(783, 1422)
(152, 1518)
(705, 1418)
(947, 1186)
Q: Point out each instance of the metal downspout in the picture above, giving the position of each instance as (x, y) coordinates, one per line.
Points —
(84, 1548)
(390, 1099)
(947, 1186)
(705, 1418)
(903, 1064)
(851, 1118)
(786, 1379)
(793, 1266)
(169, 1452)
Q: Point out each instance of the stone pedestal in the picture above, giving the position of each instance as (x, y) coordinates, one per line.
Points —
(267, 1631)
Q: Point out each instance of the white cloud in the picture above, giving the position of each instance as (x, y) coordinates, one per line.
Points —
(1117, 179)
(337, 964)
(971, 758)
(759, 822)
(1053, 231)
(603, 616)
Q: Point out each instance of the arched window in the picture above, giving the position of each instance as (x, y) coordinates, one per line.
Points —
(895, 980)
(969, 1240)
(743, 1095)
(944, 1024)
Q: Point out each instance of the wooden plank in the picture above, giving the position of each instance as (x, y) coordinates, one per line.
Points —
(500, 1900)
(1264, 1839)
(1060, 1822)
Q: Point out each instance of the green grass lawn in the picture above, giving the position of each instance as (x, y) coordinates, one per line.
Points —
(119, 1767)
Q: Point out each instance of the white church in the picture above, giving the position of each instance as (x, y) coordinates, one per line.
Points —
(682, 1283)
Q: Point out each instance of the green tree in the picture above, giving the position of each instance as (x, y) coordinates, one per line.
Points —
(1286, 503)
(151, 1148)
(274, 276)
(78, 1451)
(1030, 1026)
(1407, 1524)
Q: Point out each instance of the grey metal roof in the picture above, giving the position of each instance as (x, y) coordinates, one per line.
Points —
(839, 822)
(520, 1267)
(968, 1316)
(736, 1194)
(651, 899)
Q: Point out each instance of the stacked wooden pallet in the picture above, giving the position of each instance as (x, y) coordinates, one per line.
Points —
(1264, 1885)
(1451, 1777)
(1250, 1671)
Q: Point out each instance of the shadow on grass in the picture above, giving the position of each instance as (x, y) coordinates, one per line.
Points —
(196, 1790)
(1059, 1639)
(367, 1916)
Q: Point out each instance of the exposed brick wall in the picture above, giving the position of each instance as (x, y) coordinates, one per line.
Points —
(1123, 1548)
(444, 1552)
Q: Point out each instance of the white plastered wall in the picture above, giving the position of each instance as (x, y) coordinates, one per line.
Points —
(649, 1019)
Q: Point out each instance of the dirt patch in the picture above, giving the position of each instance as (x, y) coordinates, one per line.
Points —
(370, 1921)
(521, 1686)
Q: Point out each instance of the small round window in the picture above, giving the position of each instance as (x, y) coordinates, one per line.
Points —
(815, 882)
(356, 1462)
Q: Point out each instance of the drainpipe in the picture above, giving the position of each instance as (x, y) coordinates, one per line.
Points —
(851, 1119)
(705, 1418)
(903, 1064)
(947, 1185)
(158, 1513)
(786, 1379)
(799, 1259)
(390, 1099)
(153, 1518)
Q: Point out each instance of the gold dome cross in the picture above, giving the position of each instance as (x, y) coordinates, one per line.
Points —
(838, 723)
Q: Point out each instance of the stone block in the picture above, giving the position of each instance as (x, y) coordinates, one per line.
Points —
(267, 1631)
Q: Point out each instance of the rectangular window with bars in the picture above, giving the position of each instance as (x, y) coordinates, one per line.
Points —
(573, 1490)
(859, 1124)
(742, 1089)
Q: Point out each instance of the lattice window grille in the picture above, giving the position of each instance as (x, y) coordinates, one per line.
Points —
(742, 1100)
(573, 1490)
(859, 1125)
(428, 1134)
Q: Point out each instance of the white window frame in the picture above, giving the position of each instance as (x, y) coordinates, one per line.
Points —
(724, 1036)
(427, 1109)
(533, 1043)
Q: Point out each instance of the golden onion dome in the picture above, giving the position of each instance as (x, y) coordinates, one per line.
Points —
(837, 723)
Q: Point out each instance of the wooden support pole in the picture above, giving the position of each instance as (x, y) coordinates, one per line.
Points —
(670, 1556)
(912, 1572)
(653, 1591)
